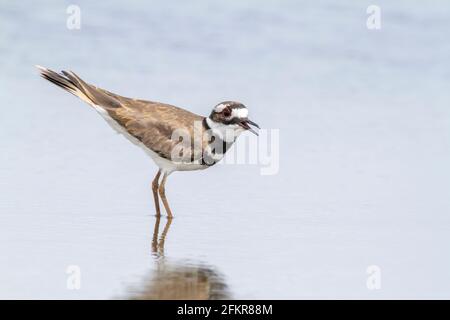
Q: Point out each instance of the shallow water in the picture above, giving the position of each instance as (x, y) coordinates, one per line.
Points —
(363, 174)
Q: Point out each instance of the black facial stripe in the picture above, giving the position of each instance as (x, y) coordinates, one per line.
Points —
(233, 121)
(216, 117)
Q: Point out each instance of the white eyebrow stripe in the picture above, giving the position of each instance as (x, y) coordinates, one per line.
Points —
(240, 113)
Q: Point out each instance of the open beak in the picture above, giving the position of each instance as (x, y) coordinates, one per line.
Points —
(245, 124)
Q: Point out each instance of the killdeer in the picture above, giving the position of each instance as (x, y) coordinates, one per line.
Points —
(176, 139)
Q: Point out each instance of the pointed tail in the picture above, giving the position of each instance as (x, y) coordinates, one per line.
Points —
(70, 82)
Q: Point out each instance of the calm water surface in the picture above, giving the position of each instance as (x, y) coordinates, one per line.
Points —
(364, 152)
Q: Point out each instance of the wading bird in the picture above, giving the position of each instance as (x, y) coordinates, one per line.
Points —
(176, 139)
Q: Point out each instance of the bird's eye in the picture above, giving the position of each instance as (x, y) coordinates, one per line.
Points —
(227, 112)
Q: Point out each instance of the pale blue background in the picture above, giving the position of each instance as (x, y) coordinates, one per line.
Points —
(364, 135)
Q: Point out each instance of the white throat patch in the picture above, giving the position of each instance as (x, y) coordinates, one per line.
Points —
(227, 133)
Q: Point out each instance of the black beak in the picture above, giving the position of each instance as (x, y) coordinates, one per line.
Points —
(245, 124)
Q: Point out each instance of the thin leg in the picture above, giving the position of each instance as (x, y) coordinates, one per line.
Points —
(155, 187)
(162, 193)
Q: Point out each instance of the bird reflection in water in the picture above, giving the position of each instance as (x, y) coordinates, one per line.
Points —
(179, 280)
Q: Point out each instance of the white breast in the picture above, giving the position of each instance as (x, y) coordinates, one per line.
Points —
(227, 133)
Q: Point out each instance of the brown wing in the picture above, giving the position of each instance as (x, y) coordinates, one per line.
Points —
(154, 123)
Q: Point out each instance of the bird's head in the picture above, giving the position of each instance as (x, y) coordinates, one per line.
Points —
(231, 116)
